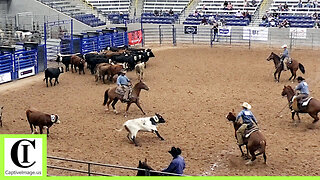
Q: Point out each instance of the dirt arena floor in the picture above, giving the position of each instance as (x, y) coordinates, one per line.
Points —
(193, 88)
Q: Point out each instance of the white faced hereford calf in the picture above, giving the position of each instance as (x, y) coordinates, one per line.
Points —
(147, 124)
(36, 118)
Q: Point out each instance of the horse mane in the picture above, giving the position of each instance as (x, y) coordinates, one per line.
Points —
(290, 89)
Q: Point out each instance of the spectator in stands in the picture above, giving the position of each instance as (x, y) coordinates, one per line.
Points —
(246, 3)
(225, 4)
(171, 12)
(299, 4)
(317, 23)
(315, 3)
(272, 23)
(239, 14)
(156, 12)
(229, 7)
(280, 7)
(285, 23)
(247, 15)
(196, 14)
(222, 21)
(309, 4)
(275, 14)
(253, 3)
(204, 21)
(212, 20)
(285, 7)
(265, 18)
(204, 8)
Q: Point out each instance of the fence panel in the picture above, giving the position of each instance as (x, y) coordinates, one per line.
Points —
(120, 39)
(25, 63)
(6, 68)
(90, 44)
(105, 40)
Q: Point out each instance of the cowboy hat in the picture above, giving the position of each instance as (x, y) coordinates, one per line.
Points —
(123, 71)
(300, 78)
(175, 151)
(246, 105)
(284, 46)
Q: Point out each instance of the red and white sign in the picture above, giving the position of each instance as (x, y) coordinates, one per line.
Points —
(135, 37)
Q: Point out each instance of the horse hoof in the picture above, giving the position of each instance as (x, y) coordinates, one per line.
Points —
(106, 109)
(249, 162)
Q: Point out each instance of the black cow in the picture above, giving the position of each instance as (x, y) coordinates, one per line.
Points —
(129, 59)
(93, 59)
(66, 59)
(52, 73)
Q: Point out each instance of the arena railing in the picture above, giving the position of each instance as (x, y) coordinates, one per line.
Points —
(90, 165)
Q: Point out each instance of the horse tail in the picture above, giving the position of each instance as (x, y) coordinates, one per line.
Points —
(105, 97)
(301, 67)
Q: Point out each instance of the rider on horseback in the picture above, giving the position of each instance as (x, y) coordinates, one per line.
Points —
(124, 83)
(302, 92)
(248, 119)
(284, 57)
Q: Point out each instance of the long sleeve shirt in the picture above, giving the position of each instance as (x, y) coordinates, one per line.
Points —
(303, 88)
(122, 80)
(247, 116)
(177, 166)
(285, 53)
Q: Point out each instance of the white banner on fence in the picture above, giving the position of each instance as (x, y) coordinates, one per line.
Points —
(298, 33)
(22, 73)
(224, 31)
(5, 77)
(256, 33)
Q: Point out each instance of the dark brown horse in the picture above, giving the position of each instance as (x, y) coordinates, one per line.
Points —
(312, 109)
(293, 67)
(146, 172)
(111, 96)
(256, 140)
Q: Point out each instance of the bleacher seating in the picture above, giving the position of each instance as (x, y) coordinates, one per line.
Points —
(90, 20)
(216, 6)
(229, 19)
(164, 18)
(177, 6)
(118, 18)
(66, 7)
(111, 6)
(302, 15)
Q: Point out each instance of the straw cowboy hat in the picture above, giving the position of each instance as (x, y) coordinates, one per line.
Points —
(175, 151)
(246, 105)
(284, 46)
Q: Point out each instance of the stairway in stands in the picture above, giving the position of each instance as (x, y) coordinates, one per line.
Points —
(257, 18)
(189, 9)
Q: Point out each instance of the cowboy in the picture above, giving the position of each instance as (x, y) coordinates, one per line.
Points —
(248, 121)
(177, 164)
(284, 57)
(124, 82)
(302, 92)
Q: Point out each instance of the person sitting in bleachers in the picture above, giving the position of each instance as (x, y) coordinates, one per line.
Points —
(253, 3)
(246, 3)
(196, 14)
(225, 4)
(204, 21)
(156, 12)
(315, 16)
(229, 7)
(285, 23)
(315, 3)
(299, 4)
(272, 23)
(309, 4)
(212, 20)
(317, 24)
(171, 12)
(265, 18)
(247, 15)
(239, 14)
(280, 7)
(285, 7)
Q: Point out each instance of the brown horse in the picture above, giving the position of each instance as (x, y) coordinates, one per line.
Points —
(148, 170)
(313, 108)
(293, 67)
(111, 96)
(256, 140)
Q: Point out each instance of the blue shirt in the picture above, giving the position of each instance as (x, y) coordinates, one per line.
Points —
(285, 53)
(177, 166)
(247, 116)
(303, 88)
(123, 80)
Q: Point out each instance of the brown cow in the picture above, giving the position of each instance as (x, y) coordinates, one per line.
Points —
(37, 118)
(101, 71)
(77, 62)
(113, 70)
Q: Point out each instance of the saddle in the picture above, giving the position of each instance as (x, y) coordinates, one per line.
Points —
(120, 91)
(249, 131)
(302, 104)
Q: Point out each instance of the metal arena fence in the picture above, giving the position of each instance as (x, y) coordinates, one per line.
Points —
(87, 168)
(230, 36)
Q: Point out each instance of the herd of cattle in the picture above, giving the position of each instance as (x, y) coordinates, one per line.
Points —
(108, 62)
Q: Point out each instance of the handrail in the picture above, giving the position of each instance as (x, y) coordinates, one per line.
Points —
(89, 163)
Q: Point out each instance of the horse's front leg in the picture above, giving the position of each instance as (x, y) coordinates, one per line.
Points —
(275, 75)
(279, 76)
(128, 105)
(291, 74)
(138, 104)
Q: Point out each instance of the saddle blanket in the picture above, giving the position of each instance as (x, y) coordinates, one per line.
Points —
(250, 131)
(306, 102)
